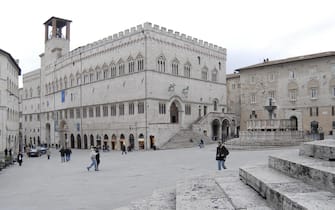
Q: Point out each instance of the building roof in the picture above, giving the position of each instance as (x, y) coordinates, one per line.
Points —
(12, 60)
(231, 76)
(60, 23)
(289, 60)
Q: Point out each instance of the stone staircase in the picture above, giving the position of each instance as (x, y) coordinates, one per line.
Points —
(182, 139)
(222, 191)
(290, 181)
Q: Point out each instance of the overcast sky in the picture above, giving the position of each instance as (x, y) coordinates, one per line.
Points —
(250, 30)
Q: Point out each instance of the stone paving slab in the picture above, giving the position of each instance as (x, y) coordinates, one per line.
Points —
(317, 172)
(201, 193)
(240, 195)
(283, 192)
(324, 149)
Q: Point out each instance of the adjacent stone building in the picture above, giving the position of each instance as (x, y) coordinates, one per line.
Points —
(9, 97)
(140, 86)
(302, 88)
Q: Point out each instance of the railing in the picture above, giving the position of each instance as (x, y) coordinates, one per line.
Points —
(273, 124)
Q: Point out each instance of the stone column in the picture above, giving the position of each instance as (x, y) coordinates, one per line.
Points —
(68, 31)
(46, 32)
(54, 27)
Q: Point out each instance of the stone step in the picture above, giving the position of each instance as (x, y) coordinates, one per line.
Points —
(284, 192)
(162, 199)
(200, 193)
(324, 149)
(240, 195)
(317, 172)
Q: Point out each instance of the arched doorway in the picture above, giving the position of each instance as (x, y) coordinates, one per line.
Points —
(105, 145)
(72, 141)
(294, 123)
(131, 141)
(63, 141)
(314, 127)
(78, 141)
(113, 142)
(215, 129)
(47, 133)
(91, 140)
(85, 142)
(225, 129)
(98, 141)
(174, 113)
(141, 141)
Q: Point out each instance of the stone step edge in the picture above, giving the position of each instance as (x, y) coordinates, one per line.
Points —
(304, 172)
(274, 198)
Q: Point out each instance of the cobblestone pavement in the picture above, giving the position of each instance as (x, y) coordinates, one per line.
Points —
(41, 184)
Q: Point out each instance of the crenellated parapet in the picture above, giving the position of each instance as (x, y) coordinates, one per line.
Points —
(115, 40)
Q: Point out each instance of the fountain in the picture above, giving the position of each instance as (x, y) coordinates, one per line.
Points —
(270, 108)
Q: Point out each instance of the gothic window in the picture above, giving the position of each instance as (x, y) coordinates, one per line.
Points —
(86, 77)
(61, 83)
(31, 92)
(78, 78)
(162, 108)
(121, 109)
(215, 105)
(91, 75)
(97, 111)
(131, 108)
(105, 71)
(214, 75)
(65, 82)
(187, 70)
(131, 65)
(98, 73)
(71, 81)
(204, 73)
(199, 60)
(113, 110)
(140, 107)
(121, 67)
(90, 111)
(113, 70)
(140, 62)
(175, 64)
(71, 113)
(161, 64)
(105, 110)
(56, 84)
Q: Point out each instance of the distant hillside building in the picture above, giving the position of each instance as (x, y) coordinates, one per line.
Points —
(140, 86)
(9, 102)
(302, 88)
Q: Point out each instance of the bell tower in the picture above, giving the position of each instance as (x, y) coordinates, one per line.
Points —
(57, 39)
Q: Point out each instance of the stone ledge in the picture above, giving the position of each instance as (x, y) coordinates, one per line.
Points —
(323, 149)
(317, 172)
(283, 192)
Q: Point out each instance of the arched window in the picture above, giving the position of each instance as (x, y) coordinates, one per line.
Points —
(215, 105)
(121, 67)
(65, 82)
(187, 70)
(175, 64)
(61, 83)
(86, 77)
(214, 75)
(98, 73)
(105, 71)
(71, 80)
(113, 70)
(78, 78)
(140, 62)
(131, 65)
(91, 75)
(161, 63)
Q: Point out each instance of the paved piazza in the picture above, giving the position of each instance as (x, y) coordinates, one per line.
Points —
(49, 184)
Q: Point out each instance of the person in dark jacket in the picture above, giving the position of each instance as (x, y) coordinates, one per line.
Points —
(62, 154)
(97, 157)
(221, 154)
(19, 158)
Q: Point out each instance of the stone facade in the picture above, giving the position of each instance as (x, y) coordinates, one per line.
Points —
(9, 95)
(303, 89)
(140, 86)
(234, 97)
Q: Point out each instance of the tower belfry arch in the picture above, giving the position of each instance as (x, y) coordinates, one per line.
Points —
(57, 28)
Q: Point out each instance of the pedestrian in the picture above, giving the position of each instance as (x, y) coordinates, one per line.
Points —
(68, 154)
(62, 154)
(48, 153)
(201, 144)
(93, 157)
(20, 158)
(221, 154)
(97, 157)
(6, 152)
(123, 148)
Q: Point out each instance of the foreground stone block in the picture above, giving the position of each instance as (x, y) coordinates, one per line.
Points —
(324, 149)
(283, 192)
(317, 172)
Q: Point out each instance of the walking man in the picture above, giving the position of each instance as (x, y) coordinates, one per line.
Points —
(20, 158)
(93, 157)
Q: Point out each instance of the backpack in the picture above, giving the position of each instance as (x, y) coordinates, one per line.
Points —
(225, 151)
